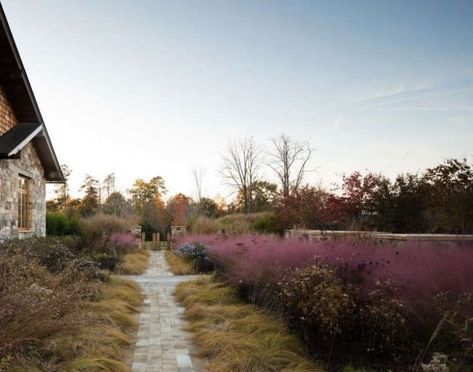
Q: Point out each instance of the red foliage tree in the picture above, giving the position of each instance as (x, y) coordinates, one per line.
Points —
(178, 208)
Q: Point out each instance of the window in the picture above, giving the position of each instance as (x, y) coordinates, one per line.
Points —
(24, 203)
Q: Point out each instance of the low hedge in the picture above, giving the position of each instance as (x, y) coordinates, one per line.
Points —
(59, 224)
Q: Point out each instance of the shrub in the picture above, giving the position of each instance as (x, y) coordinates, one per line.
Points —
(314, 300)
(104, 260)
(266, 223)
(192, 251)
(90, 269)
(331, 314)
(94, 229)
(54, 253)
(60, 224)
(121, 243)
(106, 239)
(36, 303)
(197, 253)
(382, 324)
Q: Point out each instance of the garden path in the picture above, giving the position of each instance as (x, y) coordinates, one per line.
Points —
(162, 345)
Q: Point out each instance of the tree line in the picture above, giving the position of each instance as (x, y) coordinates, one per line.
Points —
(144, 202)
(436, 200)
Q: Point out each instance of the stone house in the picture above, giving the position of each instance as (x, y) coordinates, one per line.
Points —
(27, 158)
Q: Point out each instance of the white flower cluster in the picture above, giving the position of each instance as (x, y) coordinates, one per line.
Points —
(437, 364)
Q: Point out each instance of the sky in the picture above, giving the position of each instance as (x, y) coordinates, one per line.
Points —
(146, 88)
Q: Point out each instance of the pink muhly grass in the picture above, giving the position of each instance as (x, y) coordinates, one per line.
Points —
(122, 238)
(122, 242)
(416, 269)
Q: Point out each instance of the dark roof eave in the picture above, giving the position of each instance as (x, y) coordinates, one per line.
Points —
(59, 178)
(20, 74)
(18, 137)
(13, 141)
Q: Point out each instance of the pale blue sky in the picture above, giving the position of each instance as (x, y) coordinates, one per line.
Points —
(144, 88)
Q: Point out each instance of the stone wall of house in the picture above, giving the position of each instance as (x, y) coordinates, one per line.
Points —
(29, 166)
(7, 117)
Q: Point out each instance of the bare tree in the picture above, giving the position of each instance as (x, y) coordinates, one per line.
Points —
(240, 168)
(289, 161)
(198, 176)
(62, 190)
(108, 184)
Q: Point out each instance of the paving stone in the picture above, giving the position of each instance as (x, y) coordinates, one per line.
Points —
(172, 368)
(161, 345)
(185, 369)
(139, 367)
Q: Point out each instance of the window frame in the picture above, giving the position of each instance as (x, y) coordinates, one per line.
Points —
(24, 219)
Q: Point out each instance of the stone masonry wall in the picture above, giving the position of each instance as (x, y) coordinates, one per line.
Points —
(28, 165)
(7, 117)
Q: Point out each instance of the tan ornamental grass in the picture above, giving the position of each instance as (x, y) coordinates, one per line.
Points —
(238, 337)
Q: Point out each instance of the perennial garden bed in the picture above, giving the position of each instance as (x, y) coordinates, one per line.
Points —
(380, 306)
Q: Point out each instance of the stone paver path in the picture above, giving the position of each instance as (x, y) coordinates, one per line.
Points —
(162, 345)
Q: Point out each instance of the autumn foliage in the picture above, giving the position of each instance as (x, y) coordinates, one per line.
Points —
(439, 200)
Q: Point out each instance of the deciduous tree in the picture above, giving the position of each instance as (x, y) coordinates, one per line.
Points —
(117, 205)
(289, 160)
(240, 168)
(108, 185)
(148, 204)
(143, 192)
(90, 202)
(198, 174)
(178, 208)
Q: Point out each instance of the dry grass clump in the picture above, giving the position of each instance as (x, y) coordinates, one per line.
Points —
(236, 224)
(64, 321)
(205, 225)
(100, 346)
(134, 263)
(178, 265)
(102, 224)
(36, 304)
(233, 224)
(236, 336)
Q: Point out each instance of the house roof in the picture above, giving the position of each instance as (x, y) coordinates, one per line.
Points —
(30, 126)
(13, 141)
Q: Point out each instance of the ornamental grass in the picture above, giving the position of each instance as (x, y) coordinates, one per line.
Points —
(385, 305)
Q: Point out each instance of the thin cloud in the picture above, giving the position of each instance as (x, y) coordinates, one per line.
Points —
(453, 97)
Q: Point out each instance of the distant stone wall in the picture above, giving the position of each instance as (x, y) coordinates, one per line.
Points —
(27, 165)
(178, 230)
(7, 117)
(319, 235)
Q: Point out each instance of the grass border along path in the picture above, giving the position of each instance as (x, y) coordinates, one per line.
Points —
(134, 263)
(177, 265)
(104, 345)
(235, 336)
